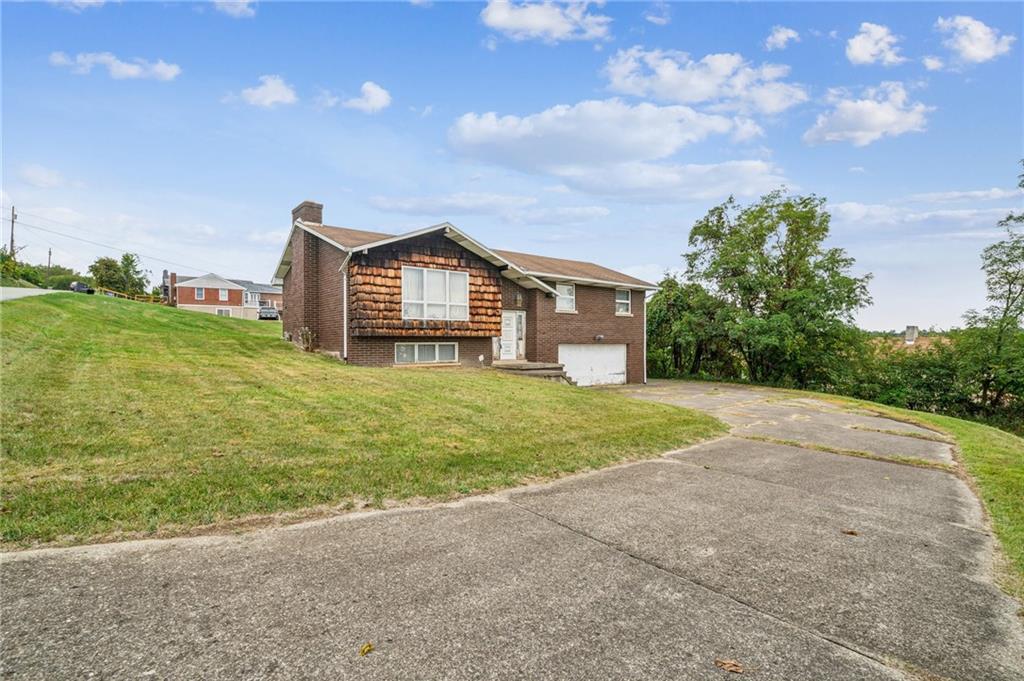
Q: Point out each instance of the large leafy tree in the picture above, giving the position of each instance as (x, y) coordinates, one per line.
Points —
(124, 275)
(787, 299)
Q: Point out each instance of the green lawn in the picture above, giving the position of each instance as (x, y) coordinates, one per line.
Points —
(995, 461)
(123, 419)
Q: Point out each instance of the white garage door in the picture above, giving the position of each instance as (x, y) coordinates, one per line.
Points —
(594, 364)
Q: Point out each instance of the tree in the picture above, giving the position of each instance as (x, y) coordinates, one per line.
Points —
(124, 275)
(787, 300)
(993, 340)
(685, 333)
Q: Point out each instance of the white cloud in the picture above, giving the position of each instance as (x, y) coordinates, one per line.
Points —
(509, 207)
(490, 43)
(77, 5)
(547, 21)
(275, 237)
(725, 80)
(855, 215)
(857, 169)
(874, 44)
(41, 176)
(674, 183)
(932, 63)
(374, 98)
(325, 99)
(593, 131)
(879, 112)
(461, 203)
(746, 130)
(780, 37)
(271, 91)
(239, 9)
(84, 62)
(973, 41)
(659, 14)
(993, 194)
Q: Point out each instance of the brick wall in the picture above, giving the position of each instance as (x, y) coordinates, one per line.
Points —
(293, 316)
(513, 296)
(312, 291)
(187, 296)
(595, 315)
(380, 350)
(328, 283)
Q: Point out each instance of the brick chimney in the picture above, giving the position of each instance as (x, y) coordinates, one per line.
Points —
(309, 211)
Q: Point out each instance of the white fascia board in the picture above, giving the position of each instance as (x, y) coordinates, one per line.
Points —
(594, 282)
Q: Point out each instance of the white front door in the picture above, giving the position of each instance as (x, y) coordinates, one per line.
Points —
(513, 335)
(594, 363)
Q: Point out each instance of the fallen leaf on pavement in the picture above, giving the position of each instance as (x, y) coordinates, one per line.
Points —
(366, 649)
(852, 533)
(729, 666)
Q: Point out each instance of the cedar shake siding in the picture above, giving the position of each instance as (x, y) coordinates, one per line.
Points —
(375, 290)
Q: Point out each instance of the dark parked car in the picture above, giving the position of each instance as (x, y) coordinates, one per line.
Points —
(268, 313)
(79, 287)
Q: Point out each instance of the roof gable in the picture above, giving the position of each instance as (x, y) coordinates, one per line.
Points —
(524, 268)
(209, 281)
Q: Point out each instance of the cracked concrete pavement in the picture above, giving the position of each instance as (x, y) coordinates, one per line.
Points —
(796, 563)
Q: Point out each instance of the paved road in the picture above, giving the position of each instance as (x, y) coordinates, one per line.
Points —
(13, 292)
(798, 564)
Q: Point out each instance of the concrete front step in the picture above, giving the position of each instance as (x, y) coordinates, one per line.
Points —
(523, 365)
(550, 371)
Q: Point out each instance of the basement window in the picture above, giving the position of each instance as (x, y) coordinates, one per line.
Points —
(435, 294)
(223, 312)
(426, 353)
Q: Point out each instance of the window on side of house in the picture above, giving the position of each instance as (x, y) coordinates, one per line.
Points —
(426, 353)
(222, 294)
(223, 312)
(566, 300)
(435, 294)
(200, 293)
(623, 302)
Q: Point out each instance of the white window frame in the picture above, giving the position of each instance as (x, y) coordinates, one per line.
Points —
(200, 293)
(447, 294)
(560, 296)
(222, 295)
(224, 309)
(416, 353)
(628, 301)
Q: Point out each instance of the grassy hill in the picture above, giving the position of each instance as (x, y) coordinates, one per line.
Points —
(123, 419)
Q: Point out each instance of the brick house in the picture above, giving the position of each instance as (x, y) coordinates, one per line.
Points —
(181, 291)
(210, 293)
(437, 296)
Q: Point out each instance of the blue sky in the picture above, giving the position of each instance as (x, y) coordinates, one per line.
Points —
(187, 131)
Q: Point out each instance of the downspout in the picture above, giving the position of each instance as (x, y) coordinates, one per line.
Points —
(645, 337)
(344, 306)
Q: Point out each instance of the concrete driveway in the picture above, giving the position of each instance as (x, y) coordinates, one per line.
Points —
(793, 563)
(14, 292)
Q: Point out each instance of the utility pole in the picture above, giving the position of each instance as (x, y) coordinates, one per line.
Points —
(14, 216)
(49, 256)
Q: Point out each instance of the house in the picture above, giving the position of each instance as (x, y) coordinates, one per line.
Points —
(437, 296)
(214, 294)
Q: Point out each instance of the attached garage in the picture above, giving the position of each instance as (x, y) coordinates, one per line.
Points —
(593, 363)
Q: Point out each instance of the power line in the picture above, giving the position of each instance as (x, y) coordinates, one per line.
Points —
(119, 249)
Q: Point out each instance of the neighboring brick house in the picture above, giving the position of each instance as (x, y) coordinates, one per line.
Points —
(180, 291)
(436, 296)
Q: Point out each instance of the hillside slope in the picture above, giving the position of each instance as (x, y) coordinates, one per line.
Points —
(123, 419)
